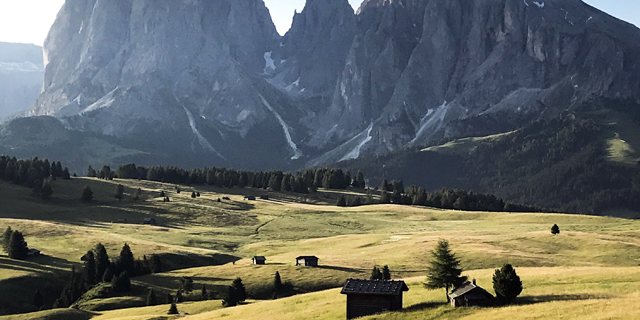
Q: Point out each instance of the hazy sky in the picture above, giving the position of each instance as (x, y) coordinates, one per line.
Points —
(28, 21)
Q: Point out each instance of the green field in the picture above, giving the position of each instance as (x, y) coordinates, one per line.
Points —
(590, 268)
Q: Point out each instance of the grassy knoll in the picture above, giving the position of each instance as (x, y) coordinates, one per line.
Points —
(559, 292)
(212, 242)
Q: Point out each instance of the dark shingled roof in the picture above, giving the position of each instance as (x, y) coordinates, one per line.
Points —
(466, 288)
(307, 257)
(260, 258)
(378, 287)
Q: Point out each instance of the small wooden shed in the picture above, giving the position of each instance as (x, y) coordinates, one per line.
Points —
(250, 198)
(259, 260)
(307, 261)
(367, 297)
(471, 295)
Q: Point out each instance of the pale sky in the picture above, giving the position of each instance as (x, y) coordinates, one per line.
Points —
(28, 21)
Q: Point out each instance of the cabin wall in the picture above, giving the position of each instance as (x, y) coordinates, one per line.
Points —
(364, 305)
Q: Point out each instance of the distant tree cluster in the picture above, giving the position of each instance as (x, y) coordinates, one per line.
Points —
(301, 182)
(99, 268)
(377, 274)
(14, 244)
(104, 173)
(33, 173)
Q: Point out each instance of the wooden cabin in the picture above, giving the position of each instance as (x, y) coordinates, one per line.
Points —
(251, 198)
(368, 297)
(307, 261)
(259, 260)
(471, 295)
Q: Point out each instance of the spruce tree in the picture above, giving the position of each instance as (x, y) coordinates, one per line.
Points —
(173, 309)
(203, 293)
(126, 261)
(151, 298)
(89, 273)
(119, 192)
(342, 202)
(193, 195)
(17, 246)
(91, 173)
(6, 239)
(277, 283)
(384, 197)
(121, 282)
(555, 229)
(444, 269)
(376, 274)
(386, 274)
(506, 283)
(47, 190)
(38, 299)
(87, 194)
(230, 298)
(102, 263)
(241, 292)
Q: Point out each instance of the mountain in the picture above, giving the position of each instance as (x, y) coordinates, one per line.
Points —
(21, 74)
(196, 83)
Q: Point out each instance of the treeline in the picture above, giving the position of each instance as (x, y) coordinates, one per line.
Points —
(14, 244)
(301, 182)
(99, 268)
(443, 199)
(33, 173)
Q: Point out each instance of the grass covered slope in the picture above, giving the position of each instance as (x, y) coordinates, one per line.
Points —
(212, 242)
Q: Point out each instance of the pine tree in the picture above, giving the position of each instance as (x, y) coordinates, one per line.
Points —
(193, 195)
(119, 192)
(203, 293)
(6, 239)
(555, 229)
(121, 282)
(359, 182)
(126, 261)
(89, 273)
(102, 263)
(230, 299)
(277, 283)
(376, 274)
(47, 190)
(342, 202)
(506, 283)
(91, 173)
(384, 197)
(241, 292)
(17, 246)
(444, 270)
(151, 298)
(107, 276)
(386, 274)
(173, 309)
(87, 194)
(65, 174)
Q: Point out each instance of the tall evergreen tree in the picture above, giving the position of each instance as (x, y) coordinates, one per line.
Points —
(47, 190)
(6, 239)
(506, 283)
(119, 191)
(151, 298)
(17, 246)
(444, 269)
(240, 291)
(277, 283)
(230, 299)
(126, 262)
(342, 202)
(87, 194)
(376, 274)
(38, 299)
(91, 173)
(203, 293)
(386, 273)
(555, 229)
(384, 197)
(102, 262)
(89, 272)
(173, 309)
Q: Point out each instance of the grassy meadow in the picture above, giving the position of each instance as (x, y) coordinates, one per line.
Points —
(590, 270)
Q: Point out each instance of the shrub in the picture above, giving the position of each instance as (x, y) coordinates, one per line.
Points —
(506, 283)
(555, 229)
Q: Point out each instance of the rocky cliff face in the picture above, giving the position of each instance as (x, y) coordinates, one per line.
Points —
(213, 78)
(21, 73)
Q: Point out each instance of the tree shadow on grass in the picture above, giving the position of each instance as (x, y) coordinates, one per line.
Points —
(527, 300)
(424, 306)
(343, 269)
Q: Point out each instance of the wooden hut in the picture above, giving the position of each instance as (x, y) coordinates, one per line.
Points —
(471, 295)
(259, 260)
(367, 297)
(307, 261)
